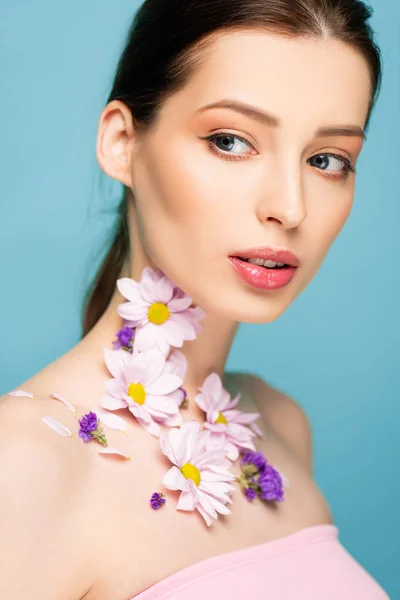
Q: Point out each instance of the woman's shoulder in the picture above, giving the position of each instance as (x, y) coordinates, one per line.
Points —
(281, 413)
(42, 494)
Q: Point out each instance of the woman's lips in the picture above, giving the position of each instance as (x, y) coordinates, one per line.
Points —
(262, 277)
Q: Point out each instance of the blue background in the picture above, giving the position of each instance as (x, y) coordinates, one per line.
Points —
(335, 350)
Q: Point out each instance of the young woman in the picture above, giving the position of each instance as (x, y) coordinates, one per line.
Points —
(235, 128)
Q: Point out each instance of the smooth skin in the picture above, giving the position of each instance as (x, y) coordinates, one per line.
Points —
(77, 525)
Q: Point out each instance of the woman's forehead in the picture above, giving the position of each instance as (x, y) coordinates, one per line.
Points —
(320, 77)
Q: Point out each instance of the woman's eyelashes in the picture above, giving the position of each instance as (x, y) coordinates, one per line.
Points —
(223, 143)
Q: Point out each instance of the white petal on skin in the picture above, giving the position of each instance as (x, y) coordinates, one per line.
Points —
(57, 426)
(110, 420)
(174, 479)
(110, 450)
(67, 404)
(21, 394)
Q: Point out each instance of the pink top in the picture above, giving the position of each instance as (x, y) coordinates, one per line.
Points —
(309, 564)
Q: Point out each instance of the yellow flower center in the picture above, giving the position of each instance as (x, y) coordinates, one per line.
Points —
(221, 419)
(158, 313)
(137, 392)
(191, 472)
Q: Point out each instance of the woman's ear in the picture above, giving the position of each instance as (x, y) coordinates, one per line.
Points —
(115, 137)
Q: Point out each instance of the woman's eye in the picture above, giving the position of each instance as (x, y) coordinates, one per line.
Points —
(228, 145)
(337, 163)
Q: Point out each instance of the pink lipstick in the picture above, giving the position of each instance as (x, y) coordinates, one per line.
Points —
(260, 272)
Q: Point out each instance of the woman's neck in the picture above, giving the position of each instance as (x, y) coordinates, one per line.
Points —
(81, 373)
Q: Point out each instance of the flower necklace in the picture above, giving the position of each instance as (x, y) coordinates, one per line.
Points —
(148, 371)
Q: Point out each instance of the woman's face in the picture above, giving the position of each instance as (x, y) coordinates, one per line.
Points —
(258, 184)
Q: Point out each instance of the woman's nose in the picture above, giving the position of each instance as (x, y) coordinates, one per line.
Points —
(283, 201)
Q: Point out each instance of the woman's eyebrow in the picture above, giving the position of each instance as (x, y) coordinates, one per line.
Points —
(271, 121)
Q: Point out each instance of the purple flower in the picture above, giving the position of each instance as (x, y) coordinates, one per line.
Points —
(157, 500)
(124, 338)
(258, 478)
(254, 458)
(90, 429)
(270, 483)
(250, 493)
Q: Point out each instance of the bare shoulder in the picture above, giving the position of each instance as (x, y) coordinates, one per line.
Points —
(282, 413)
(42, 504)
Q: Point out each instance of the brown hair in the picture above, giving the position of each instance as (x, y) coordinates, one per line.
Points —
(162, 50)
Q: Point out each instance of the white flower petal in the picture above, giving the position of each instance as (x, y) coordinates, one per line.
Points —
(179, 304)
(186, 501)
(115, 360)
(164, 290)
(174, 479)
(162, 404)
(66, 402)
(206, 504)
(164, 384)
(21, 394)
(57, 426)
(110, 450)
(174, 420)
(177, 363)
(129, 289)
(110, 420)
(209, 520)
(112, 403)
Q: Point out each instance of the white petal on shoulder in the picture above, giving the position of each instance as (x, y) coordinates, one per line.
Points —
(64, 401)
(114, 451)
(57, 426)
(21, 394)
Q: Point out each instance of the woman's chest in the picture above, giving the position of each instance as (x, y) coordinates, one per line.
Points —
(140, 546)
